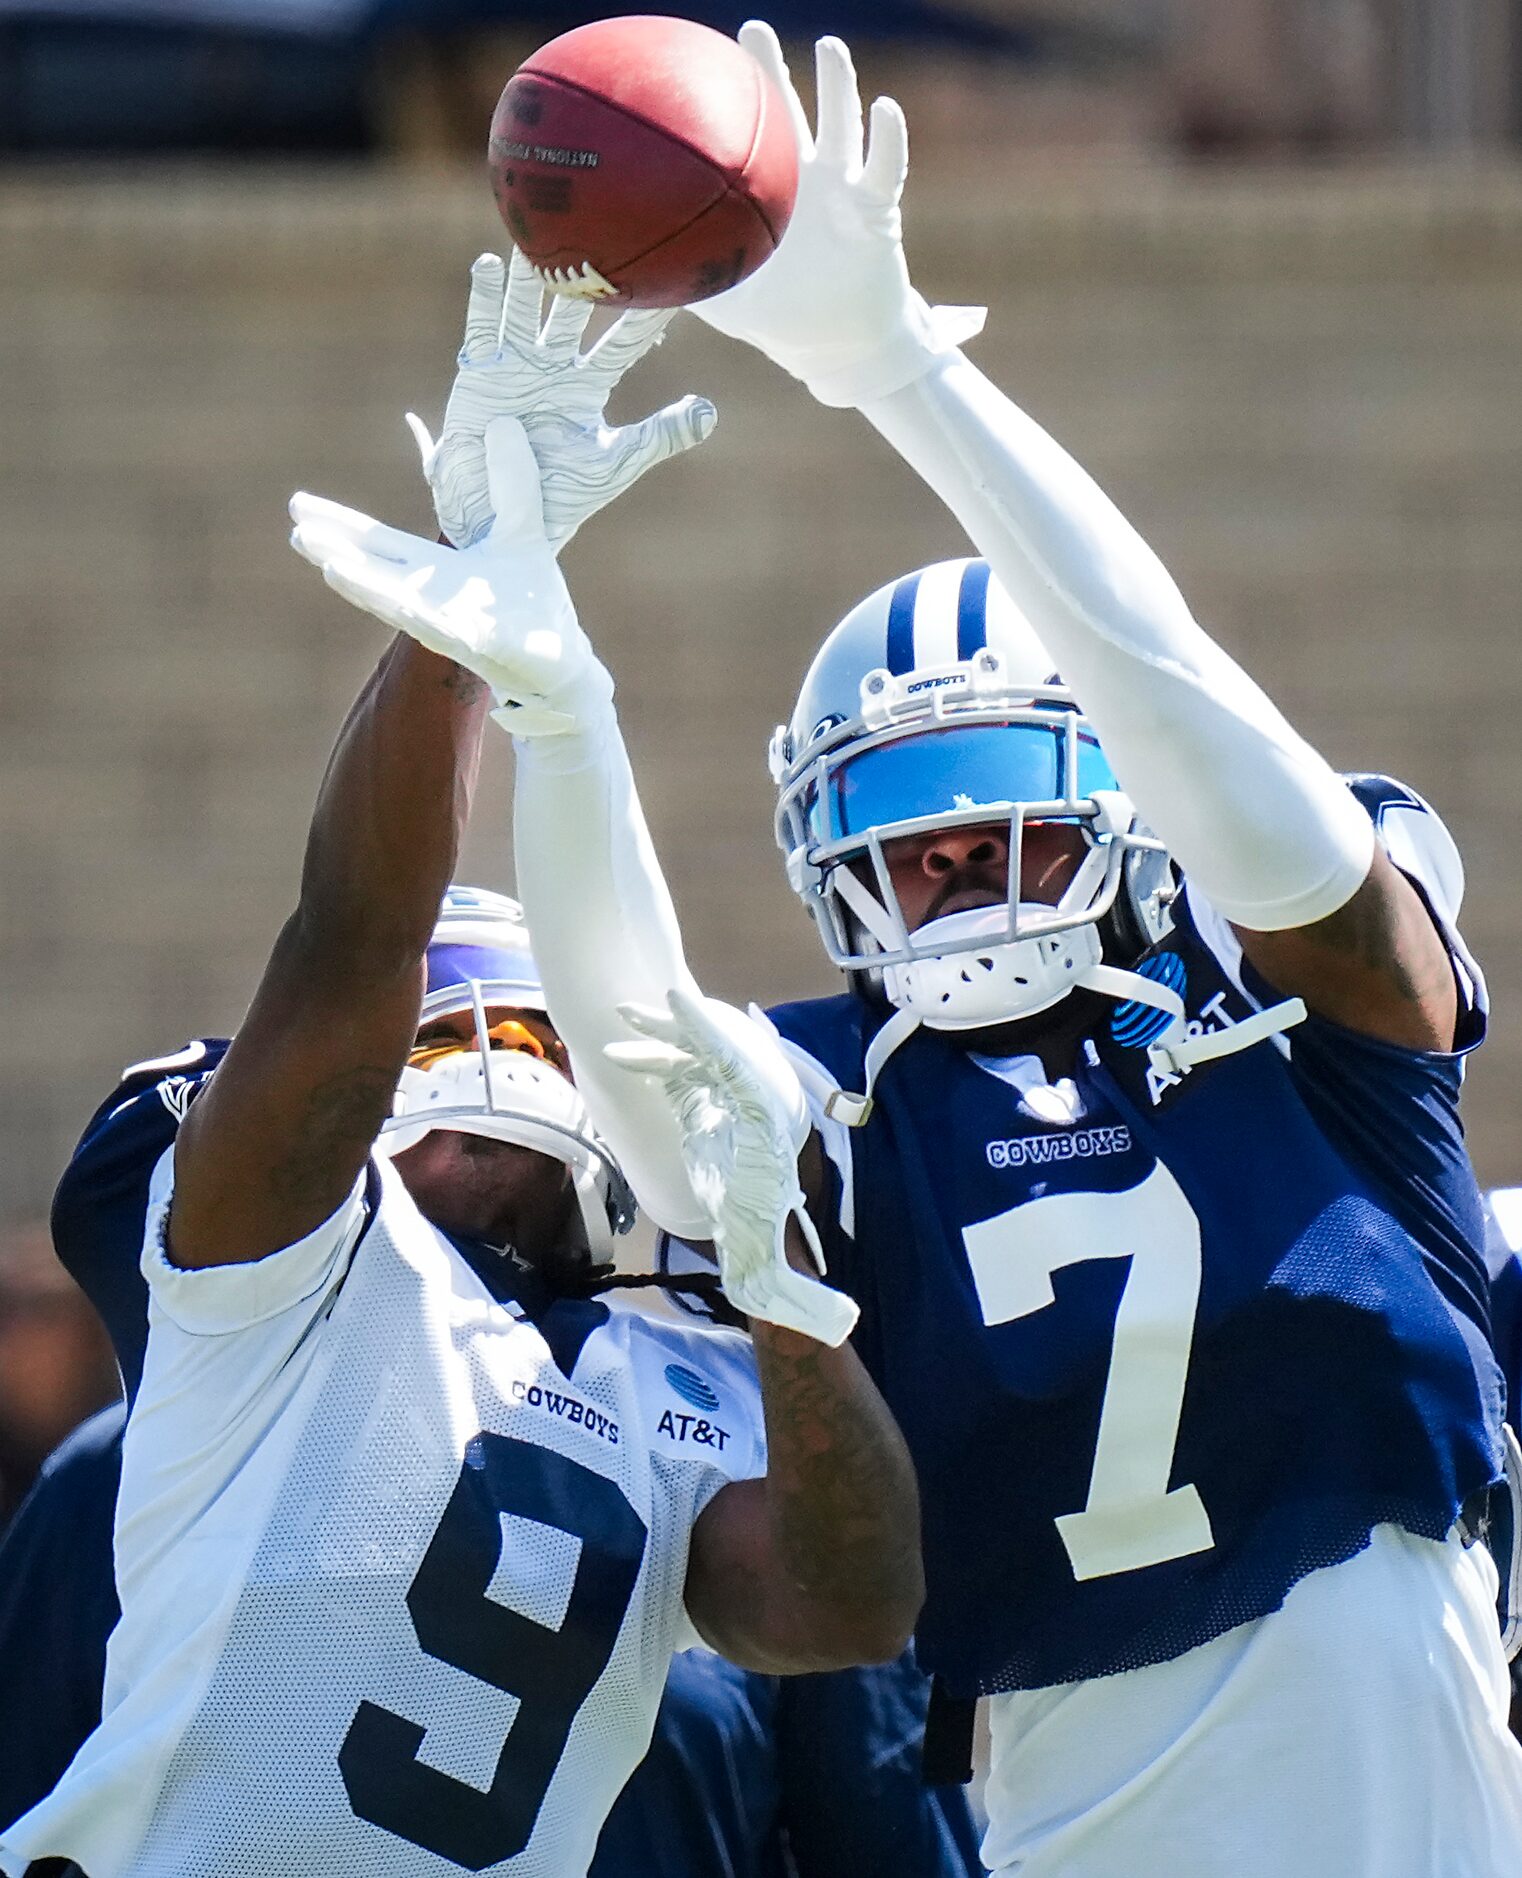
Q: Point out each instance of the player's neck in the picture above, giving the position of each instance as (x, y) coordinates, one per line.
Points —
(1054, 1037)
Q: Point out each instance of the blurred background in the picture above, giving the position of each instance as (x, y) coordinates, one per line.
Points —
(1258, 262)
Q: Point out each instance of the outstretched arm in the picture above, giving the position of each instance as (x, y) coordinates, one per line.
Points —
(1255, 816)
(1259, 821)
(606, 935)
(817, 1565)
(274, 1144)
(527, 410)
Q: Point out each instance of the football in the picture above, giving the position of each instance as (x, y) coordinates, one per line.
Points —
(644, 161)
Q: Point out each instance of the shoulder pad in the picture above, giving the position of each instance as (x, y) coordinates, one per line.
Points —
(124, 1139)
(1416, 839)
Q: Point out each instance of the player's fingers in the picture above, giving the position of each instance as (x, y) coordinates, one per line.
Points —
(837, 140)
(483, 310)
(423, 437)
(687, 1009)
(362, 587)
(328, 527)
(512, 481)
(564, 325)
(308, 508)
(887, 166)
(356, 582)
(668, 433)
(762, 44)
(316, 515)
(520, 307)
(707, 1042)
(320, 545)
(627, 340)
(308, 548)
(647, 1059)
(794, 1302)
(649, 1020)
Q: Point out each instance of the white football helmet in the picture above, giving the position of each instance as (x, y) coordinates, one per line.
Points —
(478, 961)
(931, 706)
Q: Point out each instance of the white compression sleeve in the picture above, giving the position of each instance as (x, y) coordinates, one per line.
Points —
(605, 933)
(1253, 814)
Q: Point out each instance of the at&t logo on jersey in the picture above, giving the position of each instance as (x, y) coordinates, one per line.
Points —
(1134, 1026)
(693, 1388)
(1213, 1016)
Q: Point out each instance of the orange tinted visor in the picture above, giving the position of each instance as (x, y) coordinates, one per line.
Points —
(508, 1035)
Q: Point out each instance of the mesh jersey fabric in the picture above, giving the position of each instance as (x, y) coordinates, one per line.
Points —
(1358, 1732)
(401, 1568)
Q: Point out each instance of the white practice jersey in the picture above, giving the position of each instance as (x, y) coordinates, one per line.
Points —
(401, 1567)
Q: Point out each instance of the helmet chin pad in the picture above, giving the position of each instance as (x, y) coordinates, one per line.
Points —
(510, 1096)
(968, 987)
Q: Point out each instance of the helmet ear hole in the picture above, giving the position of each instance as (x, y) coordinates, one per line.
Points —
(1141, 914)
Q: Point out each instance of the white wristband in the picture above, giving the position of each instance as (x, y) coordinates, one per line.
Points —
(927, 335)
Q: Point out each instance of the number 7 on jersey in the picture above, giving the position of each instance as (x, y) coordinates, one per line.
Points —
(1131, 1517)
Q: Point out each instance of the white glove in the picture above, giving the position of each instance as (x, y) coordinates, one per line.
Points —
(510, 366)
(500, 609)
(833, 305)
(742, 1118)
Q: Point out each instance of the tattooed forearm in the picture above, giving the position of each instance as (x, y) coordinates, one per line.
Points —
(462, 684)
(1392, 940)
(340, 1120)
(841, 1493)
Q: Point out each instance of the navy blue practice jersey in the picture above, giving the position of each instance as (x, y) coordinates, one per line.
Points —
(102, 1199)
(58, 1603)
(759, 1776)
(1157, 1362)
(57, 1608)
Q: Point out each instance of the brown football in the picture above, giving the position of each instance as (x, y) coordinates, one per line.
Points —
(643, 160)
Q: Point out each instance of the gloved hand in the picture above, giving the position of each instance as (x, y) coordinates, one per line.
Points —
(500, 609)
(833, 305)
(742, 1119)
(510, 366)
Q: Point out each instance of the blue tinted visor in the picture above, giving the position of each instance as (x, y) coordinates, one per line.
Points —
(968, 766)
(450, 965)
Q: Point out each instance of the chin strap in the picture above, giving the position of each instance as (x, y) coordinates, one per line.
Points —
(872, 915)
(1182, 1054)
(1174, 1052)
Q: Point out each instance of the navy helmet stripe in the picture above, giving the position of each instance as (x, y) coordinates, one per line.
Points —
(972, 609)
(901, 625)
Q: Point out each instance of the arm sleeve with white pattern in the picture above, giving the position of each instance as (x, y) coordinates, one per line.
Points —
(1254, 815)
(605, 933)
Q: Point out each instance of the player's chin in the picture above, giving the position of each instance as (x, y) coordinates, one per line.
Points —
(497, 1192)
